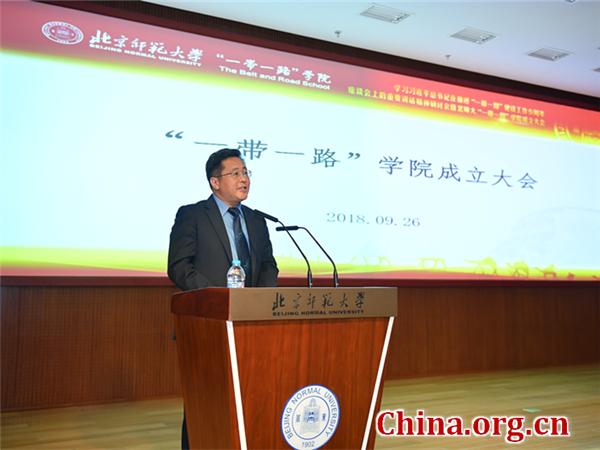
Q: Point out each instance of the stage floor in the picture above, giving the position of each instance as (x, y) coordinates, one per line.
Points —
(573, 392)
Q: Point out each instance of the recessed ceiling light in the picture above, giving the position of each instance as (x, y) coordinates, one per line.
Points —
(549, 54)
(385, 13)
(474, 35)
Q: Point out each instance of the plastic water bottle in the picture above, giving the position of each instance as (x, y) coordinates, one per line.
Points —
(236, 275)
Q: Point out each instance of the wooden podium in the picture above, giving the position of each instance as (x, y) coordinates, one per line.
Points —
(282, 367)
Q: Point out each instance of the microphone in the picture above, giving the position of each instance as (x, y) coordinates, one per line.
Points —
(309, 277)
(267, 216)
(336, 278)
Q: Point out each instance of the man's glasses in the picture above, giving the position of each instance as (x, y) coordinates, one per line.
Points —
(236, 174)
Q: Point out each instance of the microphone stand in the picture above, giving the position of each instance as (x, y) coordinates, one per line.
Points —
(336, 278)
(309, 276)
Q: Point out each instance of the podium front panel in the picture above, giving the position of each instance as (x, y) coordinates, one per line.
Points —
(282, 367)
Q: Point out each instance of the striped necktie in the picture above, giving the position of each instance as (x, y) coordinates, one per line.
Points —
(241, 245)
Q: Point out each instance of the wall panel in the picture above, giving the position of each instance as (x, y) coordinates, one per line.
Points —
(67, 345)
(75, 345)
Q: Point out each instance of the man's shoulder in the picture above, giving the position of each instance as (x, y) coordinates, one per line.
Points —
(208, 203)
(195, 209)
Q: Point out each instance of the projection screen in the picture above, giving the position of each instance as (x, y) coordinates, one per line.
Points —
(107, 124)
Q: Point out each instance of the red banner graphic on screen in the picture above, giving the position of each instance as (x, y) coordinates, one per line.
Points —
(62, 32)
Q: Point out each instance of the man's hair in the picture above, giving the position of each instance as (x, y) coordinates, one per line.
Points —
(213, 165)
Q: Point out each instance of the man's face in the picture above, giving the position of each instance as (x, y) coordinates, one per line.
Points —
(229, 188)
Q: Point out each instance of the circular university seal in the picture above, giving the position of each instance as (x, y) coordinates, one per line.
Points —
(62, 33)
(310, 417)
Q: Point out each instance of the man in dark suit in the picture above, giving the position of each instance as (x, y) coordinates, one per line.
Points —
(208, 235)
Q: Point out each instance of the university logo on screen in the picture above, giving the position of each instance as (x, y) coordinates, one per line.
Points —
(62, 33)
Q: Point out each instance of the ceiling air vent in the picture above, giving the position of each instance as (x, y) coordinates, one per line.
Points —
(549, 54)
(385, 13)
(474, 35)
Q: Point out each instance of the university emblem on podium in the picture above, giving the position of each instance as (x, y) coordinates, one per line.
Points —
(310, 417)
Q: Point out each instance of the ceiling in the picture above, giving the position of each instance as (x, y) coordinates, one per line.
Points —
(520, 27)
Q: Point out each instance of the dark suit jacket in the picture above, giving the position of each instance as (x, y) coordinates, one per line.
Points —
(200, 253)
